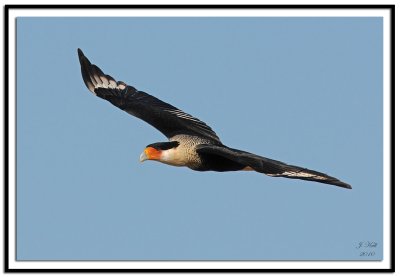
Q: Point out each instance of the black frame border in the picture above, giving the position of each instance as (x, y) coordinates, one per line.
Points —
(7, 8)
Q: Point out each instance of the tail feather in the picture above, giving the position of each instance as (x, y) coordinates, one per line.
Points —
(295, 172)
(269, 167)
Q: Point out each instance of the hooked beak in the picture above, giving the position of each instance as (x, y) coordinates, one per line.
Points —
(143, 157)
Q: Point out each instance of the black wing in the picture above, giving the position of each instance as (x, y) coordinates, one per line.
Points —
(168, 119)
(270, 167)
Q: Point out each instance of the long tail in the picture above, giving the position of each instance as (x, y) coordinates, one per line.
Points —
(296, 172)
(269, 167)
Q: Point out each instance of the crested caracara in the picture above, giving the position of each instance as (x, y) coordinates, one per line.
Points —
(192, 143)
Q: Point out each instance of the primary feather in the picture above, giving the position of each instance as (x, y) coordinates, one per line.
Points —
(168, 119)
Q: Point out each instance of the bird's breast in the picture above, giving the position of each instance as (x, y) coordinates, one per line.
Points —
(185, 154)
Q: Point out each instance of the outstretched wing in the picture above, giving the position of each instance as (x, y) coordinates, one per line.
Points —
(268, 166)
(168, 119)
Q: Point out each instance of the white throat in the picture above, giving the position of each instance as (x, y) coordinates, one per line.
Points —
(173, 157)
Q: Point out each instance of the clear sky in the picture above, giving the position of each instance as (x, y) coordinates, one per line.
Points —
(305, 91)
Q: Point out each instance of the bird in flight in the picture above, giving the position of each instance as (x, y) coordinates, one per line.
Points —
(192, 143)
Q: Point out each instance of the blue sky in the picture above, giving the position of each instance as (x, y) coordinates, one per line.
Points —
(305, 91)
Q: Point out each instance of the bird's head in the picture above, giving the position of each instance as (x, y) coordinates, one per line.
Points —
(157, 151)
(150, 153)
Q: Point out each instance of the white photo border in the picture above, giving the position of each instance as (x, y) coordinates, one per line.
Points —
(14, 11)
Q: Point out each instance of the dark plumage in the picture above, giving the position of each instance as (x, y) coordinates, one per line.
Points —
(168, 119)
(192, 142)
(164, 145)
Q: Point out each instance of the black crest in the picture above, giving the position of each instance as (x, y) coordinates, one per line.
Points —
(164, 145)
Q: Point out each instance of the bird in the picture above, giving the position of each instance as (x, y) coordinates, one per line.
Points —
(191, 142)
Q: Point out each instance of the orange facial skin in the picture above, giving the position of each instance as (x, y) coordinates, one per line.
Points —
(152, 153)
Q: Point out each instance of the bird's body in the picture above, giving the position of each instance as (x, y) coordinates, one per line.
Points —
(192, 143)
(185, 153)
(188, 150)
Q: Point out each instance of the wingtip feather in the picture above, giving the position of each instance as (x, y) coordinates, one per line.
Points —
(344, 185)
(85, 70)
(94, 78)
